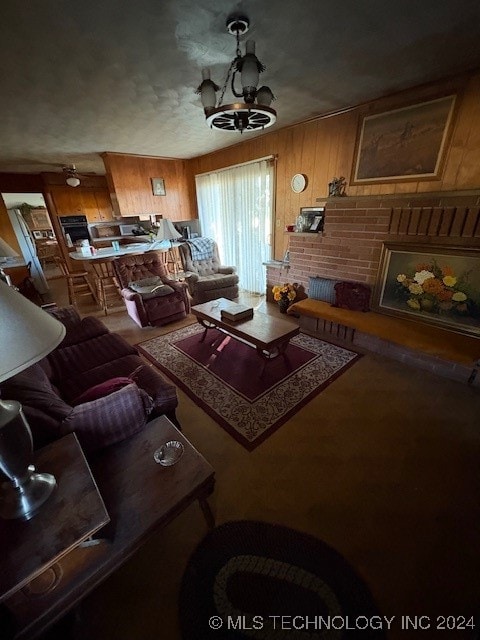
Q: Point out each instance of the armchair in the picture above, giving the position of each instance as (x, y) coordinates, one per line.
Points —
(207, 279)
(150, 296)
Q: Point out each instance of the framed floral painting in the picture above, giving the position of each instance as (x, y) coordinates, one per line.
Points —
(437, 285)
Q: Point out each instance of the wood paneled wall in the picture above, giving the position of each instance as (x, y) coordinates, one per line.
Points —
(324, 148)
(6, 230)
(129, 178)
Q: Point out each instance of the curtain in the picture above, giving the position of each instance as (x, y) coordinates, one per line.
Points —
(235, 209)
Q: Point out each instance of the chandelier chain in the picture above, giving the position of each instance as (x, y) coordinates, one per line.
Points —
(230, 69)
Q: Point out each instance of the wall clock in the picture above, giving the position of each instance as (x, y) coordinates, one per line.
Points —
(299, 182)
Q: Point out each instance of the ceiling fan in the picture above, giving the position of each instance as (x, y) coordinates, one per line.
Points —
(71, 174)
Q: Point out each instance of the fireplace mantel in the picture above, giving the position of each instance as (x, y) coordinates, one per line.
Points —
(424, 198)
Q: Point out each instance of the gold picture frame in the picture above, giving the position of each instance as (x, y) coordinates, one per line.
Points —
(404, 144)
(438, 285)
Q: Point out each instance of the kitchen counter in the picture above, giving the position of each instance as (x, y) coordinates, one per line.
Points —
(136, 247)
(127, 238)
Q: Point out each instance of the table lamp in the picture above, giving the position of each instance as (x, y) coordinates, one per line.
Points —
(166, 231)
(27, 334)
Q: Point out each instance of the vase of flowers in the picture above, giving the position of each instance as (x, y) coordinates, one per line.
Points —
(284, 294)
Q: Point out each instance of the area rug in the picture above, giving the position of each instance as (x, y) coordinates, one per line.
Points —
(227, 381)
(259, 580)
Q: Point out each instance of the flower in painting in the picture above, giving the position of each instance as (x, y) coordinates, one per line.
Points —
(415, 288)
(423, 275)
(459, 296)
(433, 286)
(445, 306)
(449, 281)
(401, 277)
(445, 294)
(413, 304)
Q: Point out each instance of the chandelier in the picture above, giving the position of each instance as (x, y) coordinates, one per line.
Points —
(255, 111)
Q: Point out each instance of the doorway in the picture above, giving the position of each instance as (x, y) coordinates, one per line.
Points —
(30, 219)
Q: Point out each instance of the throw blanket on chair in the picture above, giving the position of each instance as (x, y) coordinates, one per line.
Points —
(201, 248)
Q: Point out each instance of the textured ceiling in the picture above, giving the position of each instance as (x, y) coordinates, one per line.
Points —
(80, 78)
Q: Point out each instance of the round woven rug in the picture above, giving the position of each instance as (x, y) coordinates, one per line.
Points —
(259, 580)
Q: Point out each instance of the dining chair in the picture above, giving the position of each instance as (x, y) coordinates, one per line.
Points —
(78, 284)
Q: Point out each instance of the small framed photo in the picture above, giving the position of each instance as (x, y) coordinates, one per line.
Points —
(314, 218)
(37, 235)
(158, 186)
(316, 223)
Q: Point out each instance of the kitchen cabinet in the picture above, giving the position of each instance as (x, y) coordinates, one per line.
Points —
(37, 219)
(94, 203)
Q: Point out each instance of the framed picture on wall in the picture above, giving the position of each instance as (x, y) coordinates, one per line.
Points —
(313, 219)
(436, 285)
(404, 144)
(158, 186)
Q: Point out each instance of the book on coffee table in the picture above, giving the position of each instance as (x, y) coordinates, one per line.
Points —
(235, 311)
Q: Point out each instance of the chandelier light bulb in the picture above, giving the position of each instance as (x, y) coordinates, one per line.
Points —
(207, 91)
(73, 181)
(265, 96)
(250, 72)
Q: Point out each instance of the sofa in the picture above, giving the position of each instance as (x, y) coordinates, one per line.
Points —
(94, 384)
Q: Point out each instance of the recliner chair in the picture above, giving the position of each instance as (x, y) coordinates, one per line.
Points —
(150, 296)
(207, 279)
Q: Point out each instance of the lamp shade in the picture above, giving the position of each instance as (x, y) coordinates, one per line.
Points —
(27, 333)
(166, 230)
(207, 90)
(250, 74)
(6, 250)
(73, 181)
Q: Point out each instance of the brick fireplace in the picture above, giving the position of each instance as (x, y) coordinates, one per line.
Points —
(351, 244)
(356, 228)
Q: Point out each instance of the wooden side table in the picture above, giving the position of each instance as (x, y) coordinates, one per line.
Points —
(73, 513)
(141, 497)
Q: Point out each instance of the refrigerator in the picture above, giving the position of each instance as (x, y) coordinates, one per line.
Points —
(28, 249)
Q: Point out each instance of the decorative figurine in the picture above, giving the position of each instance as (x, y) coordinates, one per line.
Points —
(336, 188)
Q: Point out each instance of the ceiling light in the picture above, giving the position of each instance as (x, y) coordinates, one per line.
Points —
(72, 178)
(255, 111)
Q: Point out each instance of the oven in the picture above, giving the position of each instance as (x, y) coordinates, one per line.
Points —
(75, 226)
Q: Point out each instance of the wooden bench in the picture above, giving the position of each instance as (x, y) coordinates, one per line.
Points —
(444, 352)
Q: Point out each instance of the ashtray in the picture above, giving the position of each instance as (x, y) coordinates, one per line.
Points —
(169, 453)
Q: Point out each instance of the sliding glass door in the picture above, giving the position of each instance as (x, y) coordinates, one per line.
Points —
(236, 209)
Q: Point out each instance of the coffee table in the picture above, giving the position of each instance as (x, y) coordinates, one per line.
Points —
(140, 497)
(269, 335)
